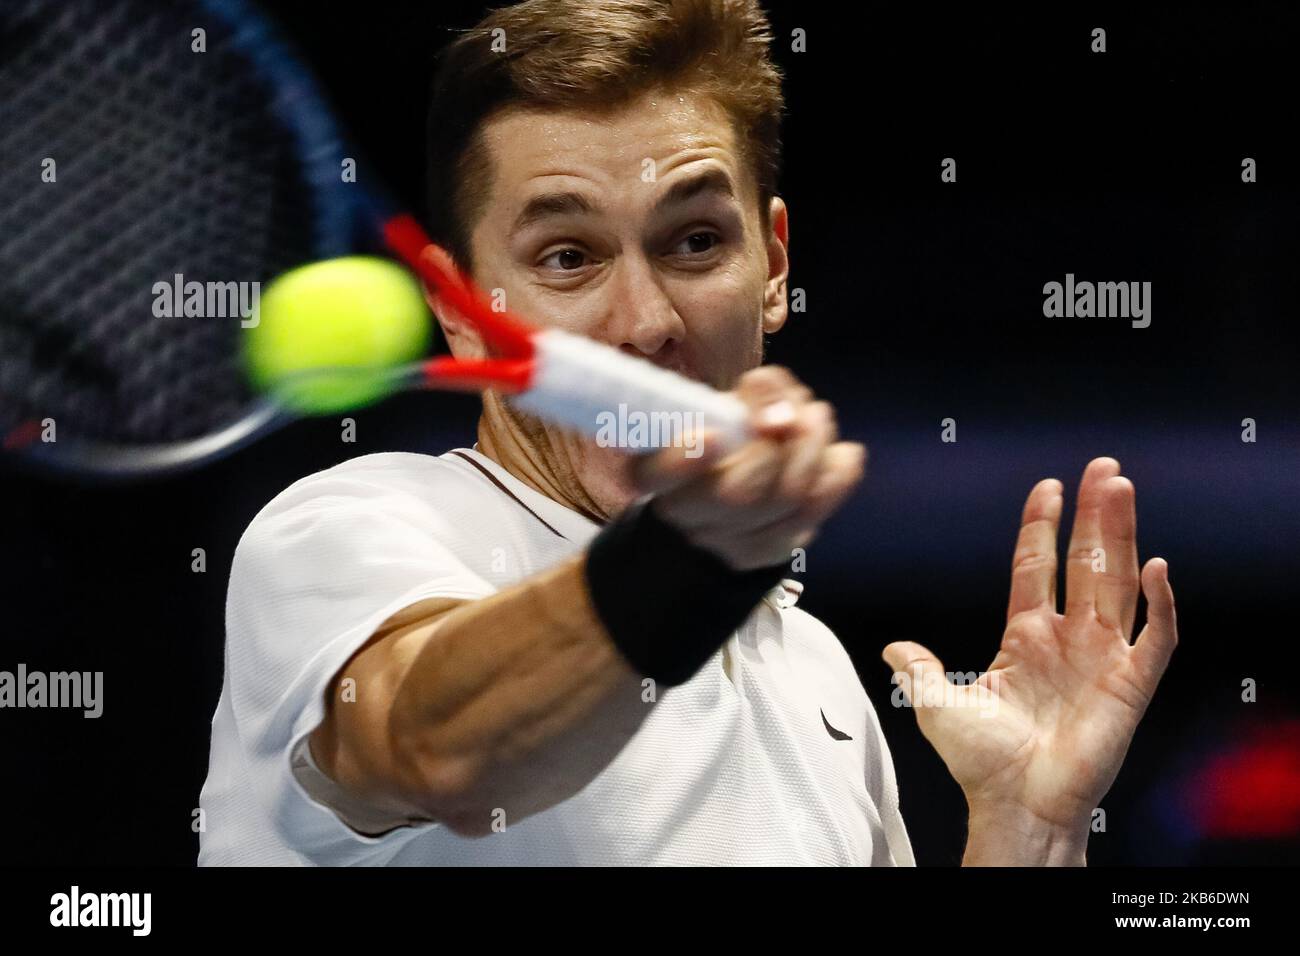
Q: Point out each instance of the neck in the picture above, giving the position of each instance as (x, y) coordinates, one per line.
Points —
(524, 448)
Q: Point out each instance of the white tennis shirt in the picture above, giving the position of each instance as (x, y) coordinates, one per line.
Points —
(781, 761)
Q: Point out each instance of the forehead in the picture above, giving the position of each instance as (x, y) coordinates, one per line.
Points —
(528, 147)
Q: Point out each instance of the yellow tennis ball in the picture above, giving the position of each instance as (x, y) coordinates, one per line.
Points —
(357, 312)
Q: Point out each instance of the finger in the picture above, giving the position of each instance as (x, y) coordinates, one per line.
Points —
(843, 465)
(765, 384)
(842, 468)
(1117, 584)
(1085, 537)
(774, 397)
(663, 470)
(817, 431)
(747, 478)
(1033, 567)
(758, 476)
(914, 667)
(1158, 639)
(738, 489)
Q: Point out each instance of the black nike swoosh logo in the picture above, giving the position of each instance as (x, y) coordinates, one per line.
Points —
(835, 734)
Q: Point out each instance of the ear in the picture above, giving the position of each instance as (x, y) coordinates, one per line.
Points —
(462, 337)
(775, 302)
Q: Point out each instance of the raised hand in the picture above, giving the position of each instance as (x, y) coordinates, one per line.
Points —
(1037, 741)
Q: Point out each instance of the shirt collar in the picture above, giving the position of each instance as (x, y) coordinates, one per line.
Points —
(580, 529)
(569, 523)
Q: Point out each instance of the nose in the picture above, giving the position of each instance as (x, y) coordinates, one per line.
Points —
(644, 320)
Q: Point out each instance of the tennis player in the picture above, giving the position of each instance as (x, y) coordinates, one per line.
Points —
(540, 650)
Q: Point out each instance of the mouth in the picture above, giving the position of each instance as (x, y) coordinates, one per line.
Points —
(684, 370)
(672, 363)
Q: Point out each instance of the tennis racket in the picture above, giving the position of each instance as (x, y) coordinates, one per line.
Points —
(130, 157)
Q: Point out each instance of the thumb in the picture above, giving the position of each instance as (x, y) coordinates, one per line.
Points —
(912, 663)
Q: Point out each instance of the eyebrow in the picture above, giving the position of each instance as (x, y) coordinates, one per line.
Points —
(710, 181)
(550, 205)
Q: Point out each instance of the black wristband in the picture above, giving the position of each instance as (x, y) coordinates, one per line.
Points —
(667, 604)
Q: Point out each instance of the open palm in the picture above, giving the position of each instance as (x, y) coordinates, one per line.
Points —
(1047, 726)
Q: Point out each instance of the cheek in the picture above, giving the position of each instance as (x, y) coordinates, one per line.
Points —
(724, 321)
(583, 312)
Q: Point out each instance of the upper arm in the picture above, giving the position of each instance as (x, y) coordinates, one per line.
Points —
(351, 745)
(322, 577)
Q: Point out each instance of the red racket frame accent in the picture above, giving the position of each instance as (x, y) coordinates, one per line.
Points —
(474, 375)
(510, 337)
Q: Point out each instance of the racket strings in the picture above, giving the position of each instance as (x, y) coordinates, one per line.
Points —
(167, 162)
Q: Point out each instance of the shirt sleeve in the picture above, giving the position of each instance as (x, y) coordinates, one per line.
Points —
(885, 795)
(315, 574)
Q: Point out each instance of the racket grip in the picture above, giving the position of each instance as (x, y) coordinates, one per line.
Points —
(625, 401)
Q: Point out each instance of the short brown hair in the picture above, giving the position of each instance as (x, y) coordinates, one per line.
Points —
(598, 55)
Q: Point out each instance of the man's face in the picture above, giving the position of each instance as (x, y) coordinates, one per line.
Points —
(640, 229)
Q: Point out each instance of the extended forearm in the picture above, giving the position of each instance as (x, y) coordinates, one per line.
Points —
(510, 704)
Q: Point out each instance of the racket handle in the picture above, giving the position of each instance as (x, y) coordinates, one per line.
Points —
(625, 401)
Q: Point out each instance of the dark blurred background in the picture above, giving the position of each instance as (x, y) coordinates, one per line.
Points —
(924, 302)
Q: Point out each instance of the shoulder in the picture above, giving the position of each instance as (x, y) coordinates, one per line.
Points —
(421, 489)
(420, 479)
(397, 501)
(341, 543)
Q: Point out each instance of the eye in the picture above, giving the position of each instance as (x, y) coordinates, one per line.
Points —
(567, 259)
(697, 243)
